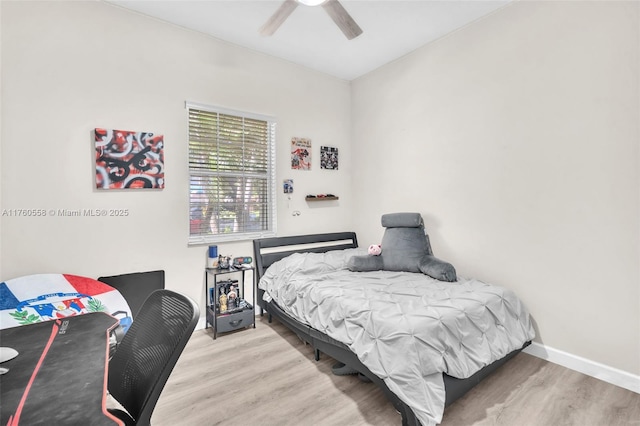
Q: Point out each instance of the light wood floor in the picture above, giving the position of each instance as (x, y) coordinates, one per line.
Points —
(267, 376)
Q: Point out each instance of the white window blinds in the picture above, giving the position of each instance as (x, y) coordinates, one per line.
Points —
(232, 175)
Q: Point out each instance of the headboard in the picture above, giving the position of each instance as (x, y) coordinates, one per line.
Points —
(269, 250)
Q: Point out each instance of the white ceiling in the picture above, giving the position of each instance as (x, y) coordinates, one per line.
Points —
(392, 28)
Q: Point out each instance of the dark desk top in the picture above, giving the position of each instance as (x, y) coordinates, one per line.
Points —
(60, 374)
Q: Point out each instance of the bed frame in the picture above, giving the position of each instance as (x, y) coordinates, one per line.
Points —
(270, 250)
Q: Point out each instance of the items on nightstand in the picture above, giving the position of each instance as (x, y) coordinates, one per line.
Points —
(232, 298)
(240, 261)
(224, 262)
(227, 296)
(223, 302)
(213, 256)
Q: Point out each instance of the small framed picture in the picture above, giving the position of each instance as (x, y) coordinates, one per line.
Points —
(300, 154)
(287, 186)
(328, 158)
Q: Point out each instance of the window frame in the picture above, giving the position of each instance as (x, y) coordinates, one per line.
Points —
(270, 176)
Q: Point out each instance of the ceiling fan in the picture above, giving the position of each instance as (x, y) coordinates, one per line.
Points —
(334, 9)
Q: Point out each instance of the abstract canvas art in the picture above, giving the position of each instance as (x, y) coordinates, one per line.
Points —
(127, 159)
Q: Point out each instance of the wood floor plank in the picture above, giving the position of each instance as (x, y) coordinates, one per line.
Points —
(267, 376)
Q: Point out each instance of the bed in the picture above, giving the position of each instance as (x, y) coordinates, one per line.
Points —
(298, 275)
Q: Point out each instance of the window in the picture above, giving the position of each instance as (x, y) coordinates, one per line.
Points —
(231, 175)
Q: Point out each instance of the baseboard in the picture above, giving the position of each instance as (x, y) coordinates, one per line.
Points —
(585, 366)
(201, 325)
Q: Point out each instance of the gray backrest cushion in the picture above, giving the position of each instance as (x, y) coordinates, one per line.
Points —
(404, 243)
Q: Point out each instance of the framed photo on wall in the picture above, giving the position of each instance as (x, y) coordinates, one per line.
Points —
(328, 158)
(300, 154)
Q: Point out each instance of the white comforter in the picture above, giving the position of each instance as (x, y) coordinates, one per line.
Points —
(407, 328)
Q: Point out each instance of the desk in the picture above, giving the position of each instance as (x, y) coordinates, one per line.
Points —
(60, 374)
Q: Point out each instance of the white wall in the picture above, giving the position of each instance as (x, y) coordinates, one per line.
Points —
(517, 139)
(68, 67)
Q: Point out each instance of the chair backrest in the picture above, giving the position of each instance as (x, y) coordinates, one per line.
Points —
(144, 359)
(136, 287)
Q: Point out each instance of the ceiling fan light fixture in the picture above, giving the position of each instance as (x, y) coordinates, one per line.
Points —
(334, 9)
(311, 2)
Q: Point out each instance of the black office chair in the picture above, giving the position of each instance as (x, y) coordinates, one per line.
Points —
(148, 352)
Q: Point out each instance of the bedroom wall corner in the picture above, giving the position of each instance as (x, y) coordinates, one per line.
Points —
(517, 138)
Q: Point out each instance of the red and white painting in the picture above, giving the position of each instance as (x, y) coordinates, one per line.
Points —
(127, 159)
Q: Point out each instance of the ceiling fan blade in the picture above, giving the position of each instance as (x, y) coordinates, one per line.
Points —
(343, 20)
(274, 22)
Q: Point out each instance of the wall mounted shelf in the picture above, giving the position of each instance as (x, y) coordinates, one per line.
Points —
(321, 198)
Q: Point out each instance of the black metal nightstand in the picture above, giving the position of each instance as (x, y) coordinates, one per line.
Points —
(236, 312)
